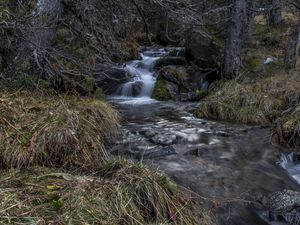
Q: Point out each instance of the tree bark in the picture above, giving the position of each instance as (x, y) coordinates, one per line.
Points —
(293, 48)
(275, 13)
(251, 11)
(234, 40)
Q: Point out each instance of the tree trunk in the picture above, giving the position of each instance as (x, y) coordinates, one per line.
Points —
(251, 11)
(293, 48)
(234, 40)
(275, 13)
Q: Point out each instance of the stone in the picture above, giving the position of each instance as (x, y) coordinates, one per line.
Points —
(111, 79)
(136, 88)
(163, 139)
(283, 206)
(202, 50)
(183, 83)
(170, 60)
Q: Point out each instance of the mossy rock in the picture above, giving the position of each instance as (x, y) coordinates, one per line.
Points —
(160, 91)
(170, 83)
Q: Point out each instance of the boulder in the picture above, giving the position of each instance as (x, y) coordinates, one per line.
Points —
(170, 60)
(183, 83)
(175, 83)
(137, 88)
(111, 79)
(176, 51)
(283, 206)
(202, 50)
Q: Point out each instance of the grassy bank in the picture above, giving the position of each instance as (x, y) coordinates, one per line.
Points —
(55, 168)
(47, 129)
(122, 193)
(271, 100)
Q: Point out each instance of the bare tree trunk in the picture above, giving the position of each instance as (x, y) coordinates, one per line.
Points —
(251, 11)
(275, 13)
(293, 48)
(234, 40)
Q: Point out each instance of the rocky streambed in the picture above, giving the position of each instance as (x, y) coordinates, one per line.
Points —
(232, 168)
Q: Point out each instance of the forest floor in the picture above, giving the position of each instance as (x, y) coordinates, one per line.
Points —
(263, 93)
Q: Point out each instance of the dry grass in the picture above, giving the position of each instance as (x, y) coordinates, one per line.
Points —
(127, 193)
(287, 128)
(65, 131)
(257, 101)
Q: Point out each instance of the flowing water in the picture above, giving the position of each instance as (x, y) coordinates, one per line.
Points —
(143, 75)
(288, 163)
(220, 161)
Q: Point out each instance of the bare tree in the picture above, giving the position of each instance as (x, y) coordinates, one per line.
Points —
(275, 18)
(234, 40)
(293, 48)
(251, 12)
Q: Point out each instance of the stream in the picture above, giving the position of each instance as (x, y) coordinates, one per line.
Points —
(219, 161)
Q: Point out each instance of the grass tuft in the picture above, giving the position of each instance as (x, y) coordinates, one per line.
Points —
(127, 193)
(63, 131)
(262, 100)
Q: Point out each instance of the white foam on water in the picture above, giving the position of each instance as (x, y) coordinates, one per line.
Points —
(133, 100)
(143, 76)
(288, 163)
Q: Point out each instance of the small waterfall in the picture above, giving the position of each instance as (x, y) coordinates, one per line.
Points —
(289, 164)
(143, 75)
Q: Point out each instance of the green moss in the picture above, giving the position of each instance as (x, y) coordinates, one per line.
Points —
(160, 91)
(61, 35)
(88, 84)
(99, 94)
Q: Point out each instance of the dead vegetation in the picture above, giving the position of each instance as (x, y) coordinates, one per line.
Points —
(258, 101)
(125, 193)
(64, 131)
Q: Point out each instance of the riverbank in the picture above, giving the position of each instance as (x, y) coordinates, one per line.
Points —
(55, 167)
(271, 100)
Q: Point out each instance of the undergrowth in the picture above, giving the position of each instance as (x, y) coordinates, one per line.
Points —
(122, 193)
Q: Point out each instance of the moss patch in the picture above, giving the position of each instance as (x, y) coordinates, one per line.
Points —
(160, 91)
(170, 76)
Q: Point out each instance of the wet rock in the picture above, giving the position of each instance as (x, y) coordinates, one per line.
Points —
(222, 133)
(193, 96)
(169, 61)
(111, 78)
(148, 133)
(179, 52)
(164, 140)
(283, 206)
(157, 152)
(183, 83)
(198, 152)
(171, 82)
(202, 49)
(136, 88)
